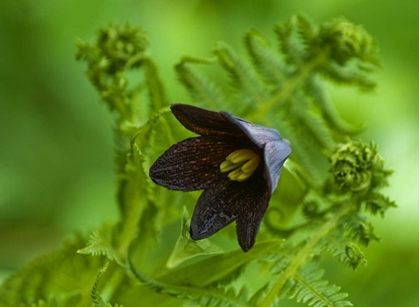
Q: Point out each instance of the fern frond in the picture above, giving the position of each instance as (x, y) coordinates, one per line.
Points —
(355, 256)
(306, 28)
(308, 287)
(349, 76)
(289, 47)
(96, 296)
(211, 297)
(298, 77)
(342, 248)
(316, 90)
(138, 163)
(304, 252)
(137, 160)
(249, 87)
(201, 88)
(157, 94)
(62, 274)
(133, 174)
(266, 62)
(379, 203)
(359, 228)
(312, 124)
(117, 49)
(281, 262)
(137, 202)
(305, 286)
(99, 244)
(348, 41)
(302, 153)
(365, 233)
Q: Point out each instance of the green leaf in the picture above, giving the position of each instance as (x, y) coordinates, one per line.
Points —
(186, 248)
(63, 274)
(217, 267)
(100, 244)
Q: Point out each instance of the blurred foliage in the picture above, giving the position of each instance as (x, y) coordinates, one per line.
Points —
(49, 117)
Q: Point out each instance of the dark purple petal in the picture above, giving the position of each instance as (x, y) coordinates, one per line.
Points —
(220, 205)
(205, 122)
(254, 203)
(192, 164)
(275, 154)
(259, 135)
(216, 208)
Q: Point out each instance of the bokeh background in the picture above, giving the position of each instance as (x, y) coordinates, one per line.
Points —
(56, 158)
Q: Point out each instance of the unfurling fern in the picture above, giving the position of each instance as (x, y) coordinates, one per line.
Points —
(329, 184)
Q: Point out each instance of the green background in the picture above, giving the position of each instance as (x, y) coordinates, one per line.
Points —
(56, 157)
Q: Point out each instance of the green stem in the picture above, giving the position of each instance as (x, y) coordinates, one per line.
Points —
(304, 254)
(168, 131)
(130, 225)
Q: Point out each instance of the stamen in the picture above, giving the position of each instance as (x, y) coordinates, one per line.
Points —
(235, 174)
(241, 155)
(228, 166)
(242, 163)
(251, 165)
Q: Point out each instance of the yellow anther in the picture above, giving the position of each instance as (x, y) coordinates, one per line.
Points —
(241, 155)
(227, 166)
(251, 165)
(241, 164)
(235, 174)
(243, 176)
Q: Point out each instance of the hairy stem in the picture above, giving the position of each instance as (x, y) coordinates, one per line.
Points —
(130, 225)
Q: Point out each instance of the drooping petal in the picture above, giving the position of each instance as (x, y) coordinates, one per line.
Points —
(192, 164)
(275, 154)
(259, 135)
(254, 203)
(220, 205)
(216, 208)
(205, 122)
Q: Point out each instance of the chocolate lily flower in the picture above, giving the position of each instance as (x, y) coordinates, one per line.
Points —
(237, 163)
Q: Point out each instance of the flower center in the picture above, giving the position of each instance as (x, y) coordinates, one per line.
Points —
(241, 164)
